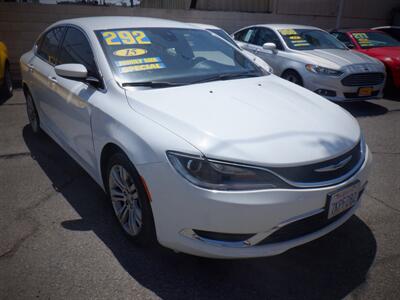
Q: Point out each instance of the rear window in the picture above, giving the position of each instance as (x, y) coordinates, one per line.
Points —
(49, 43)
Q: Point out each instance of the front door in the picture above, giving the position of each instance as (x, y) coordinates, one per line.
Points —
(72, 98)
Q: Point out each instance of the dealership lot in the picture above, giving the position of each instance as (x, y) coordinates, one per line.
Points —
(59, 237)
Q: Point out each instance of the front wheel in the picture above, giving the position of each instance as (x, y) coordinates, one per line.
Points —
(293, 76)
(129, 199)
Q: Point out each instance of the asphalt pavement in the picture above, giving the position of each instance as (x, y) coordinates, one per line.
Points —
(59, 238)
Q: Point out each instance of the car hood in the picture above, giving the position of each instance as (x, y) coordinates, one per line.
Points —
(337, 58)
(265, 120)
(384, 52)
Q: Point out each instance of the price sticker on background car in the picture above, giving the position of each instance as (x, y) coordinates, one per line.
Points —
(288, 31)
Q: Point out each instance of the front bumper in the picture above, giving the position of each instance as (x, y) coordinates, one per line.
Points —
(179, 207)
(315, 82)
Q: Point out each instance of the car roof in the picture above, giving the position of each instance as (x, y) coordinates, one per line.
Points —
(386, 27)
(287, 26)
(205, 26)
(97, 23)
(353, 30)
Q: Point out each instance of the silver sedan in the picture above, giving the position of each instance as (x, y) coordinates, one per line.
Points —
(310, 57)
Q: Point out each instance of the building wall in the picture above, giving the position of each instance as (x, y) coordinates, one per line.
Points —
(20, 24)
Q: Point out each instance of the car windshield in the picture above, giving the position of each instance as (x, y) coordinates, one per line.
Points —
(172, 56)
(373, 39)
(224, 35)
(309, 39)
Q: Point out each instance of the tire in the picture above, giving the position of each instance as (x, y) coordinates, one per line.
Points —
(32, 113)
(7, 88)
(293, 77)
(129, 200)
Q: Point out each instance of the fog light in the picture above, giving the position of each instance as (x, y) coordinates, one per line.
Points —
(326, 93)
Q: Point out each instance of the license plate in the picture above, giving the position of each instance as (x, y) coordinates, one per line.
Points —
(365, 91)
(343, 199)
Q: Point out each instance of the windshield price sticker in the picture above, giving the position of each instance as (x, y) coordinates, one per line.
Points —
(130, 52)
(137, 61)
(362, 39)
(125, 37)
(288, 31)
(146, 67)
(300, 42)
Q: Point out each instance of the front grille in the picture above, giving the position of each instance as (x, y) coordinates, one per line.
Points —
(309, 175)
(363, 79)
(356, 96)
(301, 228)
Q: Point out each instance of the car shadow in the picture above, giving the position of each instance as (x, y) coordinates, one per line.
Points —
(393, 95)
(4, 98)
(328, 268)
(364, 109)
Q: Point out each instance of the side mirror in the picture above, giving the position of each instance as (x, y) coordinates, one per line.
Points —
(72, 71)
(350, 46)
(270, 46)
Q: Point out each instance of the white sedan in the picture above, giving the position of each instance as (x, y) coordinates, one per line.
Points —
(195, 145)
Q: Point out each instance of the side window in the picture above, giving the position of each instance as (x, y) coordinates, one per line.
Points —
(239, 35)
(248, 38)
(245, 35)
(76, 50)
(344, 38)
(48, 44)
(265, 35)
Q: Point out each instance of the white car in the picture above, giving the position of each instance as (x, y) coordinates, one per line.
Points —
(314, 59)
(210, 157)
(223, 34)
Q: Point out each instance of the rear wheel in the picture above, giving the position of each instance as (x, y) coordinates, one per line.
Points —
(129, 199)
(32, 113)
(293, 76)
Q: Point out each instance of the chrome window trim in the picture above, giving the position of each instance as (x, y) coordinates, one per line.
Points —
(103, 90)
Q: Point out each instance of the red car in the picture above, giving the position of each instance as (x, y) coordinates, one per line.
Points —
(377, 44)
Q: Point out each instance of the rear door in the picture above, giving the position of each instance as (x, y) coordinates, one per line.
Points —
(39, 68)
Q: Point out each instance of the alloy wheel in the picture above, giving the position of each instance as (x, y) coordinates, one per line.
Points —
(125, 200)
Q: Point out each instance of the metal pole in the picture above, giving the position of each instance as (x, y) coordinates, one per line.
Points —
(339, 13)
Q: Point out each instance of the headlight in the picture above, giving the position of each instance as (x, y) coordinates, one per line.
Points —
(324, 71)
(217, 175)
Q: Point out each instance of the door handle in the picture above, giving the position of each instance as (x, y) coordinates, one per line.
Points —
(52, 79)
(31, 68)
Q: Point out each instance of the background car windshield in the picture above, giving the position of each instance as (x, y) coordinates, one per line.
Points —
(309, 39)
(225, 36)
(373, 39)
(171, 55)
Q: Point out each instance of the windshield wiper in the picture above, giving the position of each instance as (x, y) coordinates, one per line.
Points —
(153, 84)
(228, 76)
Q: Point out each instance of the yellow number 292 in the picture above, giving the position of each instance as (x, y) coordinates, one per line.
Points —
(111, 38)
